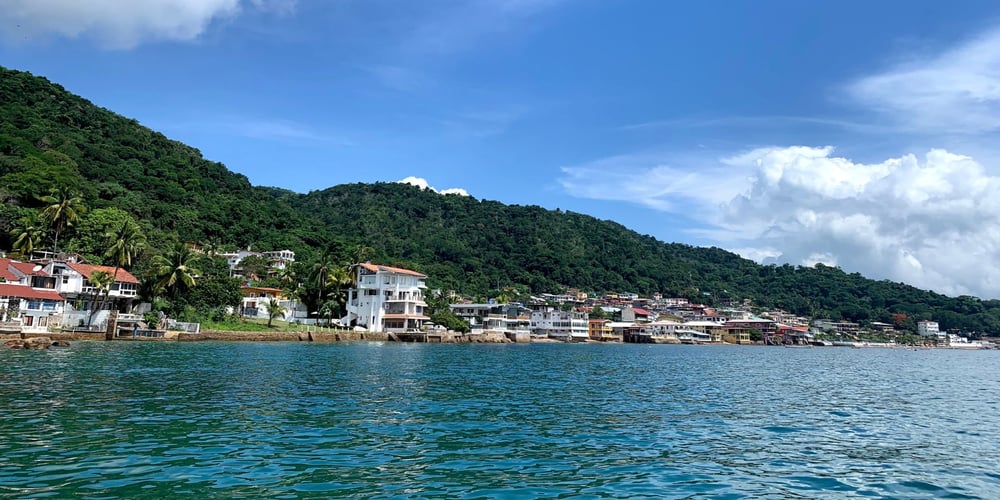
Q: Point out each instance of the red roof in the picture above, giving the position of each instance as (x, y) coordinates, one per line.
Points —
(26, 292)
(86, 270)
(398, 270)
(5, 272)
(642, 312)
(25, 268)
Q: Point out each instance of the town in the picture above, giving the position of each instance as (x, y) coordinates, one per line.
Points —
(61, 293)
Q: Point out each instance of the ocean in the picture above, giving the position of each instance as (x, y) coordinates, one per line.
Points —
(389, 420)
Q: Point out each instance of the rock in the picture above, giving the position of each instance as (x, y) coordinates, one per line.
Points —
(35, 343)
(14, 344)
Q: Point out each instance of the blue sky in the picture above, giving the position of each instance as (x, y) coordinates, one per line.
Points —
(858, 134)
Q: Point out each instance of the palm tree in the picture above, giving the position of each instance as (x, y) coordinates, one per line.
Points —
(328, 309)
(101, 281)
(63, 209)
(321, 271)
(274, 310)
(175, 271)
(337, 283)
(28, 235)
(124, 244)
(288, 284)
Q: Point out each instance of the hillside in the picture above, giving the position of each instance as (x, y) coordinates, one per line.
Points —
(50, 137)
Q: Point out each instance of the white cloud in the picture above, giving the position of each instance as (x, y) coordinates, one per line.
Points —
(422, 183)
(122, 24)
(957, 91)
(933, 222)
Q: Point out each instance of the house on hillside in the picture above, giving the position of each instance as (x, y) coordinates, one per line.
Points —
(276, 260)
(386, 299)
(24, 307)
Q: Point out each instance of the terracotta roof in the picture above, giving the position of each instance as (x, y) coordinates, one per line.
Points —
(86, 270)
(5, 271)
(641, 311)
(26, 292)
(28, 268)
(398, 270)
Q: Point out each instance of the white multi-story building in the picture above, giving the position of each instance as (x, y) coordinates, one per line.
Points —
(562, 325)
(72, 280)
(929, 329)
(386, 299)
(278, 259)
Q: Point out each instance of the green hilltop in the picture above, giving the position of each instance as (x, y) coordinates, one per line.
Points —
(50, 138)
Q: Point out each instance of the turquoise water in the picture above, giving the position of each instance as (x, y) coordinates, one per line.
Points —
(373, 420)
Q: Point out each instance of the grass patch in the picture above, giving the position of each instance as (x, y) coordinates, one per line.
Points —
(259, 325)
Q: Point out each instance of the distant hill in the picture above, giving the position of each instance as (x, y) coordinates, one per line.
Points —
(49, 136)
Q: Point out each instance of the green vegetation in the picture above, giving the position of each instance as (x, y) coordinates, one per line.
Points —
(108, 172)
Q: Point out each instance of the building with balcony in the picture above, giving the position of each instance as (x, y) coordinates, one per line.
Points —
(386, 299)
(72, 281)
(930, 329)
(255, 299)
(569, 326)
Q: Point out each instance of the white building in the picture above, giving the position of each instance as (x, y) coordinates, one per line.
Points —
(72, 281)
(23, 306)
(279, 259)
(386, 299)
(929, 329)
(255, 300)
(561, 325)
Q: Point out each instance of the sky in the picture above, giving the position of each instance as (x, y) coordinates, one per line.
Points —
(854, 133)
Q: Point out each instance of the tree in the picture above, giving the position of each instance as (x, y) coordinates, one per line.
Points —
(328, 310)
(338, 282)
(175, 272)
(63, 209)
(274, 310)
(101, 282)
(28, 235)
(90, 235)
(124, 243)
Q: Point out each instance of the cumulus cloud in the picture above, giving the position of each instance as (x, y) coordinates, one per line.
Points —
(931, 221)
(422, 183)
(957, 91)
(122, 24)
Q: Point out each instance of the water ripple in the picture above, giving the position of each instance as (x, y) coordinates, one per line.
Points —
(371, 420)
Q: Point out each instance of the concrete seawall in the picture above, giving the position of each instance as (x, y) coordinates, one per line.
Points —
(344, 336)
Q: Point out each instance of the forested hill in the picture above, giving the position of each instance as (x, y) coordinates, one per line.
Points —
(477, 246)
(50, 137)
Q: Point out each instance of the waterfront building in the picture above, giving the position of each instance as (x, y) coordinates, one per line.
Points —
(473, 314)
(600, 329)
(930, 329)
(72, 280)
(23, 307)
(256, 298)
(386, 299)
(570, 326)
